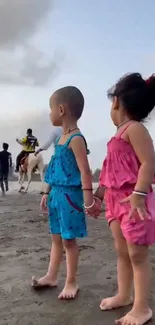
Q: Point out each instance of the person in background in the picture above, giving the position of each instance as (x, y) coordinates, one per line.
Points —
(29, 143)
(56, 133)
(5, 164)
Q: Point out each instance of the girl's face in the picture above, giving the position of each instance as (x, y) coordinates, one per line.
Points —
(115, 111)
(56, 111)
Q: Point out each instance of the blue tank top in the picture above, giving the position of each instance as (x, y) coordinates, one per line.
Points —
(63, 169)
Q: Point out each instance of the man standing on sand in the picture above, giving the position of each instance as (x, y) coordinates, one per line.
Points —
(5, 164)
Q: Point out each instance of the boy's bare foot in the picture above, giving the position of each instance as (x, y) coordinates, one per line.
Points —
(69, 292)
(135, 318)
(44, 282)
(115, 302)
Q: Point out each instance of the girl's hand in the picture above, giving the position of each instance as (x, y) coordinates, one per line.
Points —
(137, 203)
(43, 203)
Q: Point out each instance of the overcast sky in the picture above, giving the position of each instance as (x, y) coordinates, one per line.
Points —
(45, 45)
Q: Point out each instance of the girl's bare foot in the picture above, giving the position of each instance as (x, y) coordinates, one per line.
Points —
(69, 292)
(135, 318)
(115, 302)
(46, 281)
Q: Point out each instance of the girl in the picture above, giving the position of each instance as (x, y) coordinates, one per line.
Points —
(127, 174)
(70, 178)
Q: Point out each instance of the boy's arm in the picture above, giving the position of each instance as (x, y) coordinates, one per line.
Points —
(78, 147)
(46, 188)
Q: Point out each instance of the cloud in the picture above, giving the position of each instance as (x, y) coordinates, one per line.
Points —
(19, 20)
(31, 68)
(21, 63)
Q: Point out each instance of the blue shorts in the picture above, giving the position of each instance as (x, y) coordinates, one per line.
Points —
(66, 213)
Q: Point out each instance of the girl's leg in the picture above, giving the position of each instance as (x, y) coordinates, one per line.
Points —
(72, 252)
(124, 272)
(140, 313)
(50, 279)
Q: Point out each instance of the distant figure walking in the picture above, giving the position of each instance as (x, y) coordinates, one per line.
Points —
(5, 164)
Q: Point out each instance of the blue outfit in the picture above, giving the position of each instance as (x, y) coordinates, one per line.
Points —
(65, 201)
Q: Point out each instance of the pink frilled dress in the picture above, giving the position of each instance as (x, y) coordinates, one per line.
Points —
(119, 176)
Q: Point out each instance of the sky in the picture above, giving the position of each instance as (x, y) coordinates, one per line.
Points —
(89, 44)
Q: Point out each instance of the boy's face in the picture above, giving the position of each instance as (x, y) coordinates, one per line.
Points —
(56, 111)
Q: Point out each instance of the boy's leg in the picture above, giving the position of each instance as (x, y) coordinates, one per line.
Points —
(72, 225)
(124, 272)
(72, 253)
(50, 279)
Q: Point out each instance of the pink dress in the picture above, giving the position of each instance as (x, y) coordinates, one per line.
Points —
(119, 175)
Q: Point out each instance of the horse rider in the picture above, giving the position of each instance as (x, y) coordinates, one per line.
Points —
(29, 143)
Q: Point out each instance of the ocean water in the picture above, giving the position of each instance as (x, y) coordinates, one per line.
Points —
(35, 187)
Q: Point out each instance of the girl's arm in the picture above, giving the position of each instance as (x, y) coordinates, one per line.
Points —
(100, 192)
(101, 188)
(142, 144)
(78, 147)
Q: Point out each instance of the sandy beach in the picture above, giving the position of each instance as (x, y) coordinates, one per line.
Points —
(24, 252)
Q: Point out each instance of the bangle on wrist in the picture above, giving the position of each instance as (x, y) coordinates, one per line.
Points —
(90, 206)
(45, 193)
(139, 193)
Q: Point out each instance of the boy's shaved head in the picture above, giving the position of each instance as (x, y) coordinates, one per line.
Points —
(74, 99)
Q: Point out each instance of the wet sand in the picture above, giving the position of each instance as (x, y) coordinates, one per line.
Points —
(24, 251)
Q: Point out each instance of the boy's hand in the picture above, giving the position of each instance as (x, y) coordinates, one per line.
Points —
(43, 203)
(96, 208)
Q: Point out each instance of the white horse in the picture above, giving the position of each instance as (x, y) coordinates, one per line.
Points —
(29, 165)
